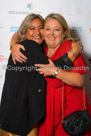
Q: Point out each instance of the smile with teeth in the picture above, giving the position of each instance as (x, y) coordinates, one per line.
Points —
(37, 37)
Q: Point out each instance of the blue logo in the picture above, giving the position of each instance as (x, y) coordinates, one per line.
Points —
(13, 28)
(77, 29)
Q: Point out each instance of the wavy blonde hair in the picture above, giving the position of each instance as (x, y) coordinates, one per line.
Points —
(63, 23)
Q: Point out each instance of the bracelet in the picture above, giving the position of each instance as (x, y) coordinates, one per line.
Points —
(73, 53)
(12, 45)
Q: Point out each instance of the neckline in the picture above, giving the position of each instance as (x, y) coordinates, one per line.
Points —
(54, 52)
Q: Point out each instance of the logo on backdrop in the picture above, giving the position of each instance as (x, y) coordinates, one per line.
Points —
(29, 6)
(0, 76)
(13, 28)
(90, 29)
(26, 12)
(74, 11)
(2, 58)
(19, 12)
(77, 29)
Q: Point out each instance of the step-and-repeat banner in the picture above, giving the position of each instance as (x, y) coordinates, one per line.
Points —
(76, 12)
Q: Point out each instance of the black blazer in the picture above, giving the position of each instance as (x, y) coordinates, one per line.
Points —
(24, 91)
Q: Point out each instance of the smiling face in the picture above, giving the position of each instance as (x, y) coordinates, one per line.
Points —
(53, 33)
(35, 31)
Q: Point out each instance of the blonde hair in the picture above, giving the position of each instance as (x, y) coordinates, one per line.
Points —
(26, 22)
(63, 23)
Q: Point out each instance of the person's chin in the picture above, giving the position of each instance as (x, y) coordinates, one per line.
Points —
(39, 41)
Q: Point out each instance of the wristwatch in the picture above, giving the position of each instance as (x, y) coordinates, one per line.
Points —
(56, 72)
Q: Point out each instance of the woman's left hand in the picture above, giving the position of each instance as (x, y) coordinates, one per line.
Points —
(77, 47)
(46, 69)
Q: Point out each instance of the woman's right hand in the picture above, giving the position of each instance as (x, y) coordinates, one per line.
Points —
(16, 54)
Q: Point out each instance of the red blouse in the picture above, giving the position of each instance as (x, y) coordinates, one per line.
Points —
(73, 99)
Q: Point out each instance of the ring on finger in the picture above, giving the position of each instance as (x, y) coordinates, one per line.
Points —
(15, 57)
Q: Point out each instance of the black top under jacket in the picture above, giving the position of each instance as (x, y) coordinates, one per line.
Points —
(24, 90)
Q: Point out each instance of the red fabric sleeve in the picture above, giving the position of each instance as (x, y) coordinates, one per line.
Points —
(79, 63)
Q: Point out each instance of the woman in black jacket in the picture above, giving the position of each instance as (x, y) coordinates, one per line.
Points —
(24, 91)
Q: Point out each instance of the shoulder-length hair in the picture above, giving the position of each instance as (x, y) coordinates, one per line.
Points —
(25, 24)
(63, 23)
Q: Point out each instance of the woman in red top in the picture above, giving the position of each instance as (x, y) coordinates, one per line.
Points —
(58, 40)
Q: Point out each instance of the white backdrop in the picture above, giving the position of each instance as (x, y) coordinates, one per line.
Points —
(76, 12)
